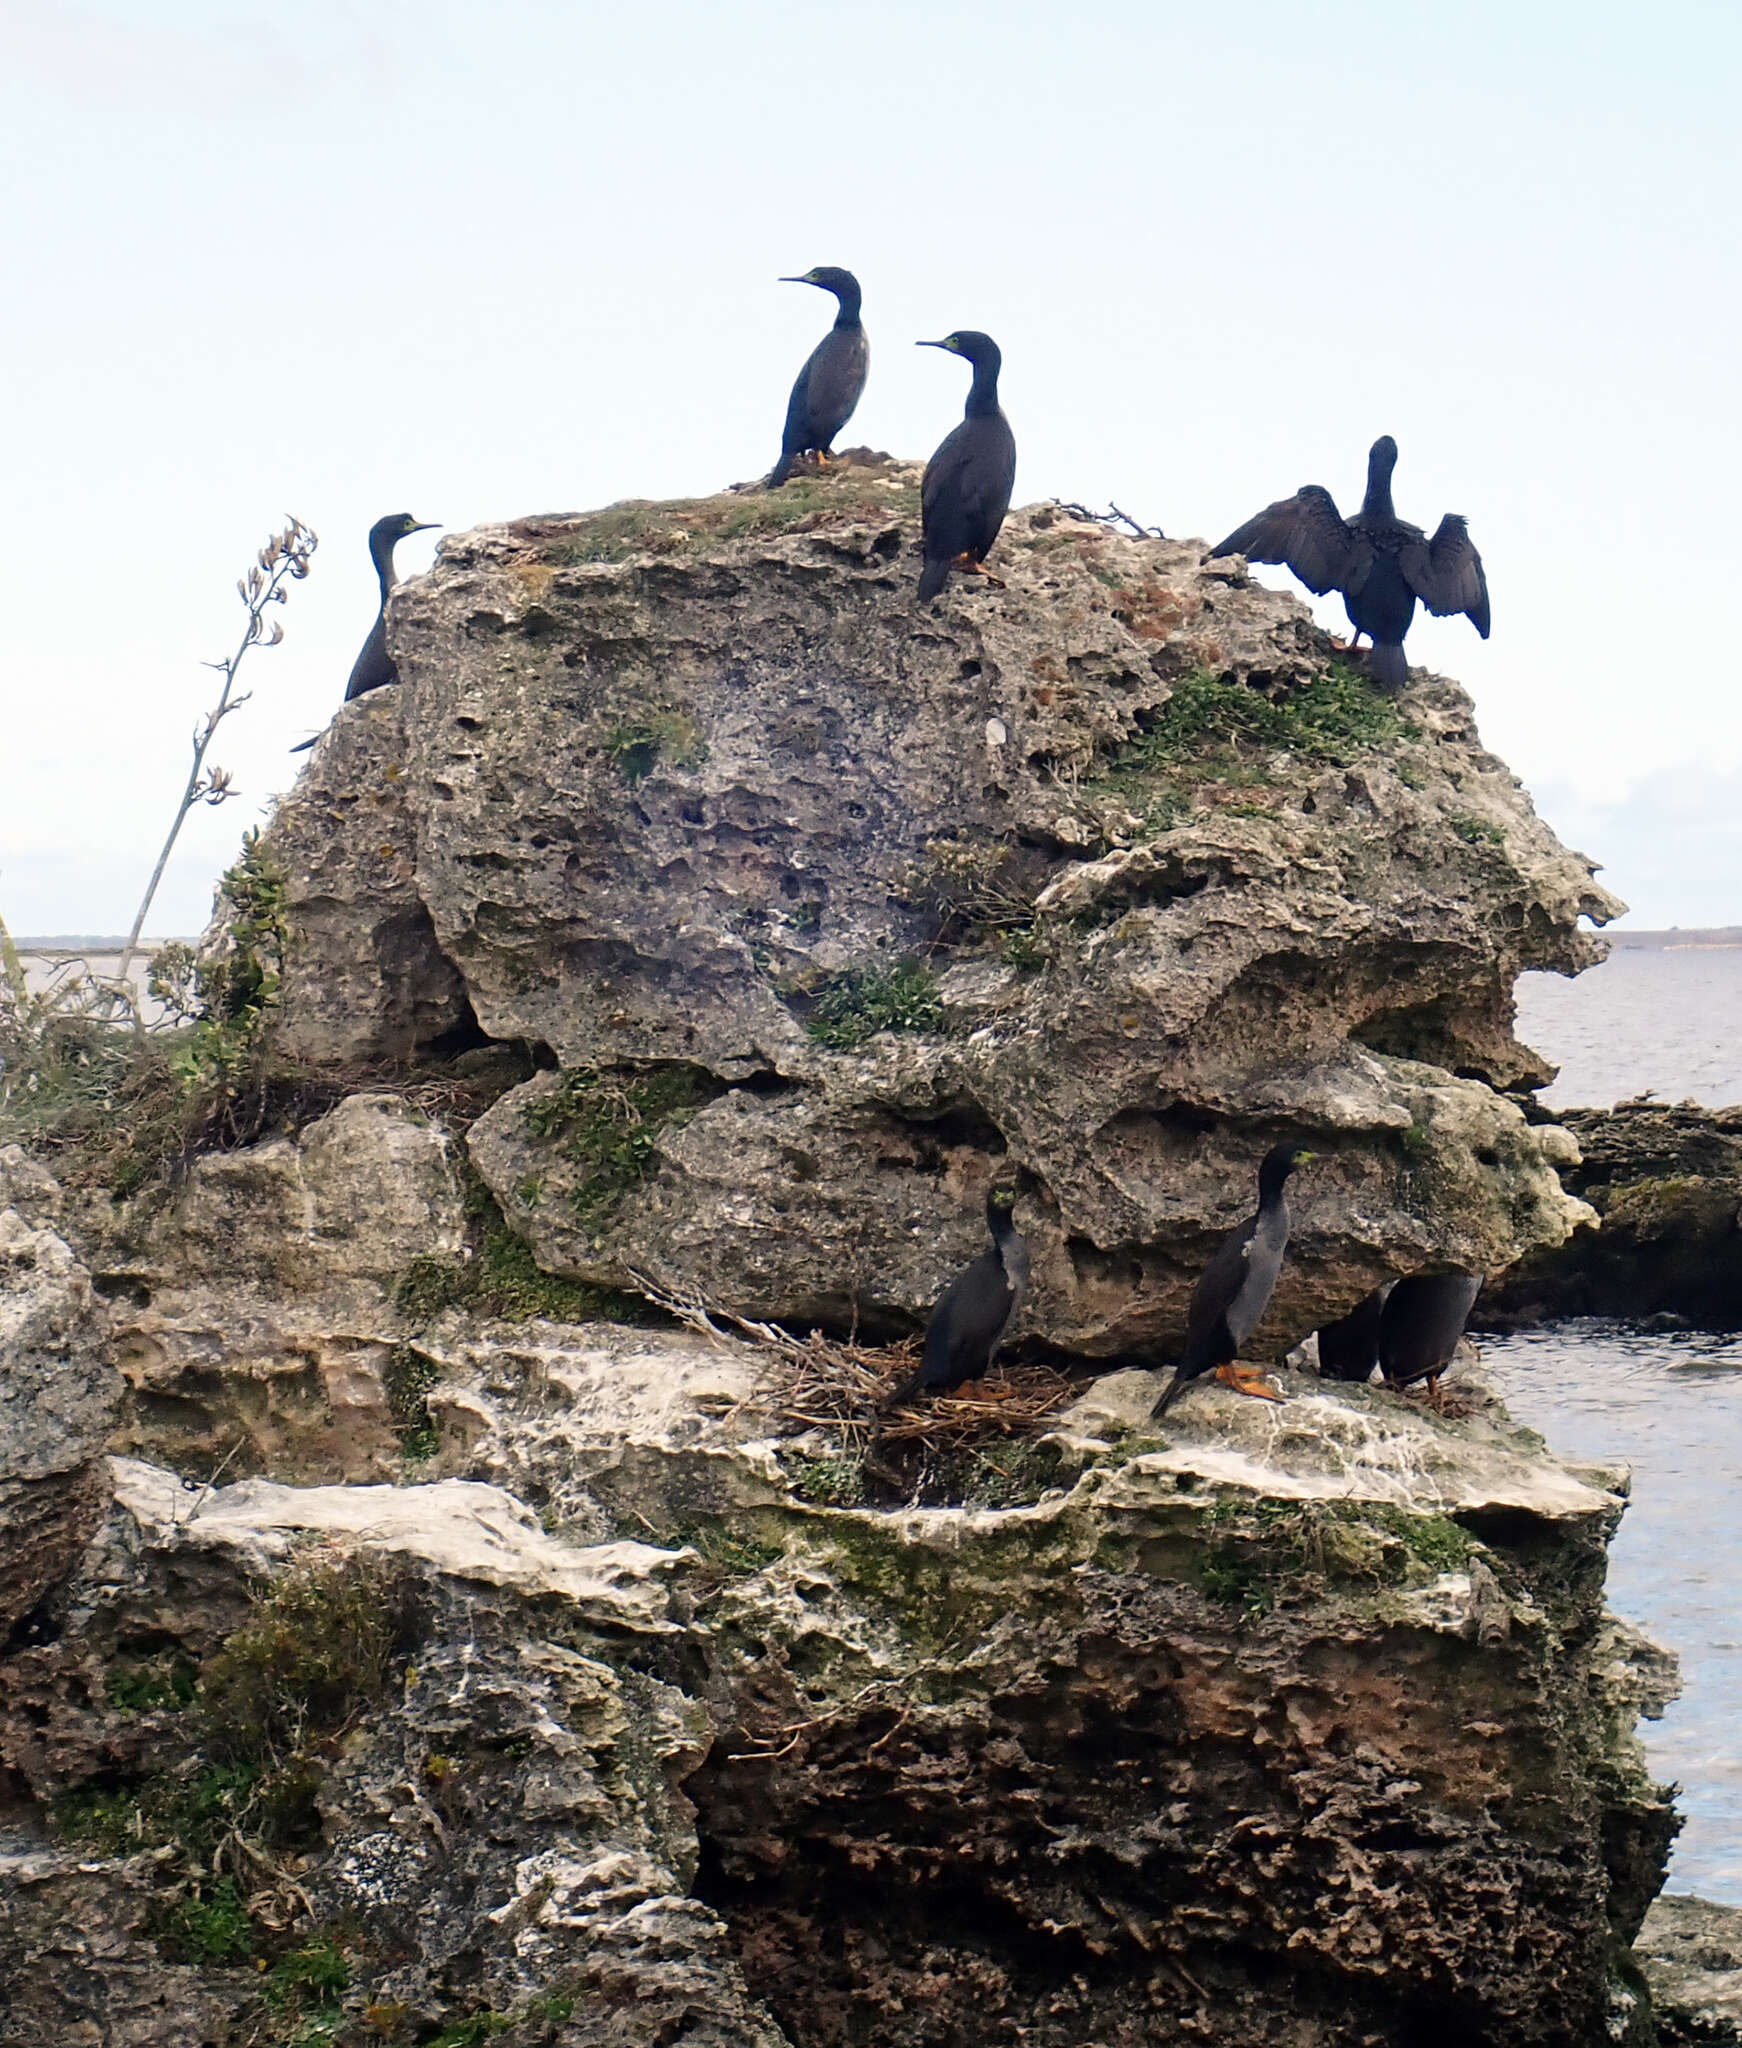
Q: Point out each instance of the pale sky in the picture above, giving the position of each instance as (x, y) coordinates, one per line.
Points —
(474, 262)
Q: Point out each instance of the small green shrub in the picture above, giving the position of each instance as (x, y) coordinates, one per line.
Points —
(145, 1688)
(499, 1276)
(315, 1653)
(1475, 831)
(209, 1924)
(858, 1002)
(608, 1124)
(1213, 723)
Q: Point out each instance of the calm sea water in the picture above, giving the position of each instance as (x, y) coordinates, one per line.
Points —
(1668, 1021)
(1667, 1403)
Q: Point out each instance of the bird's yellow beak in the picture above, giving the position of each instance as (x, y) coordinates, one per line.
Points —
(950, 345)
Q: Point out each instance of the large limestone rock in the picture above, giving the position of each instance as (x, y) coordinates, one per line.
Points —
(1299, 1724)
(665, 779)
(58, 1395)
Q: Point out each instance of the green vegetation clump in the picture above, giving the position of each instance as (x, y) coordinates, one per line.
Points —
(408, 1379)
(640, 744)
(1333, 716)
(608, 1124)
(121, 1108)
(1266, 1552)
(208, 1923)
(163, 1683)
(832, 1481)
(858, 1002)
(303, 1992)
(314, 1654)
(1475, 831)
(498, 1276)
(812, 499)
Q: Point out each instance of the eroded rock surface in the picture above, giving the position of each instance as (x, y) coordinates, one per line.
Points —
(1300, 1725)
(679, 786)
(1691, 1953)
(59, 1392)
(1666, 1181)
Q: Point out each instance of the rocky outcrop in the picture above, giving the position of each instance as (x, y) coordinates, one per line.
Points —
(1691, 1954)
(436, 1662)
(1330, 1739)
(1666, 1181)
(58, 1398)
(825, 908)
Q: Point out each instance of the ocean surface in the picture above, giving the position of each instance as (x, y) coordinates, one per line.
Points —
(1668, 1403)
(1668, 1020)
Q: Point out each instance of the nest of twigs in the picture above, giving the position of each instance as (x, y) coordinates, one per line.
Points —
(935, 1449)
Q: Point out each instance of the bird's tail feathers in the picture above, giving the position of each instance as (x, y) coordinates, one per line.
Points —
(302, 746)
(1170, 1393)
(933, 576)
(781, 471)
(1386, 664)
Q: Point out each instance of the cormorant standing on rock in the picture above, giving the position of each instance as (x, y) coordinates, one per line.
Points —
(1424, 1319)
(1380, 563)
(1349, 1347)
(1235, 1290)
(374, 666)
(832, 381)
(968, 482)
(976, 1310)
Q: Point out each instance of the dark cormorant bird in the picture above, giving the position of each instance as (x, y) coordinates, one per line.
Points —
(832, 380)
(374, 666)
(1349, 1347)
(975, 1311)
(1235, 1289)
(968, 482)
(1424, 1318)
(1379, 562)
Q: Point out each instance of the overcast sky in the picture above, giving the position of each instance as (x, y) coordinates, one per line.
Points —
(473, 262)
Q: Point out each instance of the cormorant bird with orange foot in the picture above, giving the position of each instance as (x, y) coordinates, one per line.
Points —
(1235, 1290)
(374, 668)
(1381, 564)
(832, 381)
(975, 1312)
(968, 482)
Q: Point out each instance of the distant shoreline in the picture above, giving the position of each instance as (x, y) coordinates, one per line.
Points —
(1694, 939)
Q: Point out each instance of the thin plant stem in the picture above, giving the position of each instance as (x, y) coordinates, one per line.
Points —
(284, 558)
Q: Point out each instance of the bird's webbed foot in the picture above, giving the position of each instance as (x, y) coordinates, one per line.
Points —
(970, 567)
(1248, 1379)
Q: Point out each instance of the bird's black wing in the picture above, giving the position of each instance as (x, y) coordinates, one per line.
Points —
(1446, 573)
(834, 380)
(968, 1320)
(967, 486)
(795, 435)
(372, 668)
(1217, 1290)
(1309, 535)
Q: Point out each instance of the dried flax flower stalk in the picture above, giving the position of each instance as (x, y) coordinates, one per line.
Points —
(282, 561)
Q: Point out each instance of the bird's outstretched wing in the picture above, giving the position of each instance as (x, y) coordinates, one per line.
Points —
(1446, 573)
(1308, 534)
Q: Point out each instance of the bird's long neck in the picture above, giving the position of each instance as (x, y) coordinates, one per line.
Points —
(983, 392)
(382, 557)
(1272, 1191)
(848, 315)
(1376, 508)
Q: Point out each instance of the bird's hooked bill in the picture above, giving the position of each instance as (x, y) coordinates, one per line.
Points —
(950, 345)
